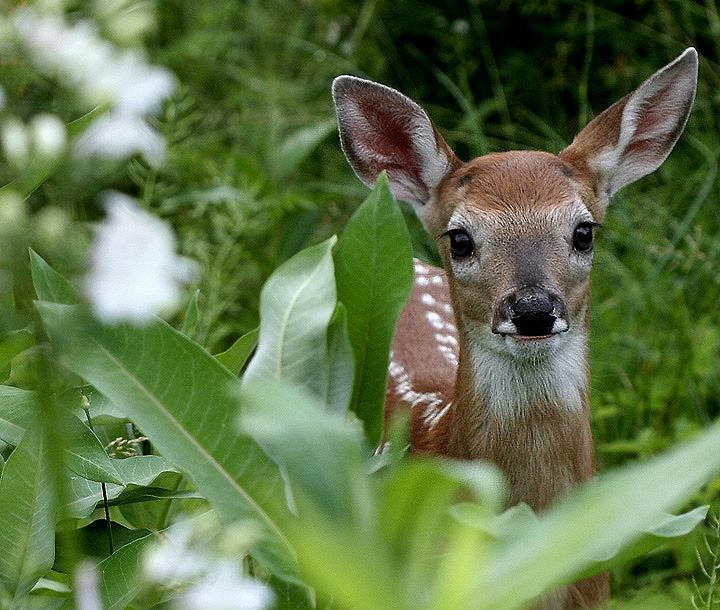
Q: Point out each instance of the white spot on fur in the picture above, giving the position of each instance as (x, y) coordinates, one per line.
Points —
(447, 339)
(428, 299)
(430, 402)
(420, 267)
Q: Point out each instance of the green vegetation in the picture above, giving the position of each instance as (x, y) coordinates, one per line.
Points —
(253, 175)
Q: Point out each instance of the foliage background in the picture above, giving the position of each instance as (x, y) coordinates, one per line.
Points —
(255, 173)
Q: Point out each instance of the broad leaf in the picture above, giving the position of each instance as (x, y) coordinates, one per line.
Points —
(120, 582)
(85, 454)
(49, 284)
(235, 356)
(296, 305)
(191, 315)
(594, 522)
(27, 533)
(341, 362)
(17, 410)
(141, 470)
(322, 452)
(180, 397)
(374, 274)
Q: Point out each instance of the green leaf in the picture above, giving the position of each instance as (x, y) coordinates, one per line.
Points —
(659, 532)
(17, 411)
(323, 452)
(27, 534)
(102, 411)
(374, 274)
(12, 345)
(235, 357)
(182, 399)
(341, 362)
(92, 541)
(85, 454)
(49, 284)
(296, 305)
(595, 521)
(191, 315)
(120, 582)
(146, 494)
(140, 470)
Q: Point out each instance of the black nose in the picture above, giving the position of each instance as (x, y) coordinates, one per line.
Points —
(533, 316)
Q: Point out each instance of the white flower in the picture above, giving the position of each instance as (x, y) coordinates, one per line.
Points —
(116, 136)
(87, 592)
(101, 72)
(225, 588)
(134, 270)
(15, 142)
(49, 135)
(172, 560)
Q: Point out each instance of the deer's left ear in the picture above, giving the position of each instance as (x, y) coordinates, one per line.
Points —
(636, 134)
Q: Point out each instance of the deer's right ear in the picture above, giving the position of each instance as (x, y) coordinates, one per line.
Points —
(381, 129)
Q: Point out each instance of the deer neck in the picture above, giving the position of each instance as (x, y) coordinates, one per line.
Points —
(529, 416)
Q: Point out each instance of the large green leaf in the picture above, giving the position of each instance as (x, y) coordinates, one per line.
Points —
(341, 362)
(374, 274)
(84, 495)
(235, 356)
(594, 522)
(120, 581)
(182, 399)
(320, 450)
(49, 284)
(27, 533)
(83, 452)
(17, 410)
(296, 305)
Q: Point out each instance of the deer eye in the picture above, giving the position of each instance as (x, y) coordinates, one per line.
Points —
(583, 237)
(461, 246)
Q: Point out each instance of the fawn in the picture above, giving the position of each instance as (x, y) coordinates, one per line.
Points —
(490, 354)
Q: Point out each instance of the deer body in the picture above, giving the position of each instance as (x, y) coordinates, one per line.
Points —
(490, 354)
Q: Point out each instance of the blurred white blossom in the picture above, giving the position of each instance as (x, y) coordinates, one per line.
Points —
(172, 560)
(49, 135)
(87, 590)
(134, 269)
(15, 142)
(103, 75)
(187, 560)
(116, 136)
(225, 588)
(101, 72)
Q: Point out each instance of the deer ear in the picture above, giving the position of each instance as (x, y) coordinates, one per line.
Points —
(381, 129)
(636, 134)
